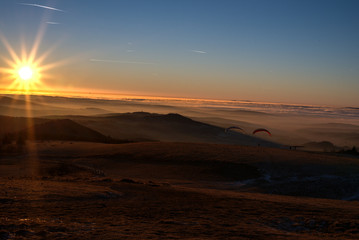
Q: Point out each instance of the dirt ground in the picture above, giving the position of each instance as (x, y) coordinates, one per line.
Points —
(51, 193)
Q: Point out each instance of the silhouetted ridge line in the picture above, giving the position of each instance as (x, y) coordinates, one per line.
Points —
(14, 124)
(156, 117)
(9, 100)
(66, 130)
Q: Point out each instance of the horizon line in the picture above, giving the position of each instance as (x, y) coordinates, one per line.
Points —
(87, 94)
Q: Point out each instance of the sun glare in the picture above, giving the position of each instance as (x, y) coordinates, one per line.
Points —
(25, 69)
(25, 73)
(23, 76)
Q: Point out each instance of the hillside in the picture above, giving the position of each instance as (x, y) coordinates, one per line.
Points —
(165, 127)
(14, 124)
(157, 190)
(63, 129)
(137, 126)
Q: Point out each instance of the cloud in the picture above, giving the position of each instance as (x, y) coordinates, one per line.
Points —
(53, 23)
(41, 6)
(198, 51)
(118, 61)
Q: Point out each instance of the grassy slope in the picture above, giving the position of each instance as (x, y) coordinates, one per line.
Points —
(74, 190)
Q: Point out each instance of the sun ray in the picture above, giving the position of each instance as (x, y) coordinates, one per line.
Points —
(11, 51)
(37, 42)
(6, 70)
(23, 50)
(8, 62)
(24, 70)
(27, 71)
(43, 56)
(54, 64)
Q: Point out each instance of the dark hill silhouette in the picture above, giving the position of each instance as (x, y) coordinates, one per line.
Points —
(320, 146)
(170, 127)
(331, 126)
(137, 126)
(11, 101)
(155, 118)
(66, 130)
(15, 124)
(173, 125)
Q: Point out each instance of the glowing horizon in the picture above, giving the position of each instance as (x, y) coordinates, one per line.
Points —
(108, 95)
(245, 53)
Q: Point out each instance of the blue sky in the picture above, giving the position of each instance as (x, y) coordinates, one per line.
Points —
(282, 51)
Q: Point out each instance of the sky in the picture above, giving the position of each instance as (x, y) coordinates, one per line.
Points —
(292, 51)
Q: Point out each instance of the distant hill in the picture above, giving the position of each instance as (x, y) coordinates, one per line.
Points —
(337, 125)
(133, 127)
(11, 101)
(64, 129)
(320, 146)
(170, 127)
(15, 124)
(338, 133)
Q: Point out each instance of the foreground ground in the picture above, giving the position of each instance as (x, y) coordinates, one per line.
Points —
(165, 191)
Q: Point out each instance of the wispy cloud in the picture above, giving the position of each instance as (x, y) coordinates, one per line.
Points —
(53, 23)
(198, 51)
(41, 6)
(118, 61)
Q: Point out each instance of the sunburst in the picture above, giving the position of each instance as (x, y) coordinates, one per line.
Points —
(25, 71)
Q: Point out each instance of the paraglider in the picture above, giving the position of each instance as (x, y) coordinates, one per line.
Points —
(262, 130)
(234, 127)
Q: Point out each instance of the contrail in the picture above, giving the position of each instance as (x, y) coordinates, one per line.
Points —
(117, 61)
(41, 6)
(198, 51)
(53, 23)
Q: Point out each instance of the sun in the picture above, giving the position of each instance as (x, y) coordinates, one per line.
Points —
(25, 73)
(24, 76)
(26, 70)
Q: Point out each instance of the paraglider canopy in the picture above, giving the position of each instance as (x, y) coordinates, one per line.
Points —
(262, 130)
(234, 127)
